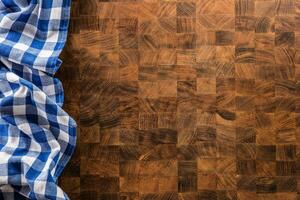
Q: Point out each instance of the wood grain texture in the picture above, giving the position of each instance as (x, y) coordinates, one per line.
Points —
(184, 99)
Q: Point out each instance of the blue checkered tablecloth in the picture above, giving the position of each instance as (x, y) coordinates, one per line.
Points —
(37, 138)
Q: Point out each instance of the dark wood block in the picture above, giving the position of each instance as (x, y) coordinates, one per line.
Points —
(161, 196)
(186, 88)
(286, 184)
(245, 103)
(265, 120)
(187, 184)
(161, 136)
(265, 88)
(149, 42)
(265, 72)
(204, 133)
(207, 194)
(265, 104)
(264, 24)
(225, 85)
(266, 185)
(167, 69)
(128, 137)
(285, 168)
(227, 195)
(226, 149)
(286, 152)
(148, 121)
(167, 104)
(244, 7)
(246, 183)
(246, 167)
(89, 7)
(129, 152)
(224, 38)
(186, 9)
(245, 55)
(266, 152)
(226, 101)
(284, 39)
(158, 152)
(245, 86)
(129, 196)
(285, 87)
(245, 135)
(99, 184)
(187, 168)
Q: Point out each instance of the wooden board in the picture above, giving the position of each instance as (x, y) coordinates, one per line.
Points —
(184, 100)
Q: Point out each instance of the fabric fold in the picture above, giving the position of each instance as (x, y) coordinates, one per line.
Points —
(37, 137)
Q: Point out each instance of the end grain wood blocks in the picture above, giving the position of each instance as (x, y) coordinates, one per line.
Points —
(184, 99)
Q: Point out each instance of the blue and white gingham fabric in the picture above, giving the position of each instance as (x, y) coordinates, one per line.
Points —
(37, 138)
